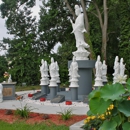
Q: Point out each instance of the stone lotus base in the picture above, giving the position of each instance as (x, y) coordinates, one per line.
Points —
(81, 53)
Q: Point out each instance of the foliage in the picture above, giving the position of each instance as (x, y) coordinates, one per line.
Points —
(23, 111)
(36, 126)
(3, 67)
(23, 54)
(113, 111)
(66, 114)
(124, 42)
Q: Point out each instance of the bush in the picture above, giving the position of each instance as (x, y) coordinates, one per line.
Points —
(114, 109)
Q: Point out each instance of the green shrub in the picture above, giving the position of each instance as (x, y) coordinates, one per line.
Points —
(109, 108)
(23, 111)
(66, 114)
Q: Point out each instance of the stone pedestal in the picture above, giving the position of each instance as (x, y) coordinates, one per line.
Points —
(74, 93)
(98, 82)
(53, 92)
(8, 90)
(44, 89)
(58, 87)
(53, 88)
(85, 80)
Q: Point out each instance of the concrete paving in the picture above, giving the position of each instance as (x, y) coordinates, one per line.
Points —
(78, 107)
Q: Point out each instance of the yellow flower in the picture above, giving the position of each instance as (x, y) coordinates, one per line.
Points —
(106, 113)
(102, 117)
(93, 117)
(109, 113)
(111, 107)
(88, 117)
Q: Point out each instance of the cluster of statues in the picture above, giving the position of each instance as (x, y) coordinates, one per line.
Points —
(53, 69)
(119, 71)
(101, 72)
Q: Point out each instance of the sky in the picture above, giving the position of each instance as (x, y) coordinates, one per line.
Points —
(3, 30)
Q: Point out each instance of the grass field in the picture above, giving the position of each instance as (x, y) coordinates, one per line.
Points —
(24, 126)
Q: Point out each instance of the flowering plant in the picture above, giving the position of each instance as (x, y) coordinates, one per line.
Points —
(109, 108)
(6, 75)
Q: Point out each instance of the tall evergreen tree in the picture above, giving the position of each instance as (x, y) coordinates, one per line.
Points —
(22, 52)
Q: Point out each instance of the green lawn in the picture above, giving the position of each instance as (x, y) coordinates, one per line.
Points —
(24, 126)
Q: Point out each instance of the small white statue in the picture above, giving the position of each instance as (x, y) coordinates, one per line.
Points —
(57, 72)
(74, 68)
(122, 67)
(42, 68)
(74, 73)
(9, 79)
(104, 71)
(104, 68)
(1, 95)
(116, 67)
(52, 68)
(98, 66)
(98, 75)
(46, 69)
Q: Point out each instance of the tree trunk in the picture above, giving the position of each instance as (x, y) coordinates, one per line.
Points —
(103, 25)
(104, 31)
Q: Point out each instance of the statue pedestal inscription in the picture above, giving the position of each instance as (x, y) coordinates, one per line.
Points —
(8, 90)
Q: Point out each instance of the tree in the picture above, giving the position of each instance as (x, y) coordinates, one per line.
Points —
(23, 52)
(124, 39)
(3, 67)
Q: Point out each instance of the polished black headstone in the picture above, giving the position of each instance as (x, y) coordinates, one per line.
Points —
(58, 99)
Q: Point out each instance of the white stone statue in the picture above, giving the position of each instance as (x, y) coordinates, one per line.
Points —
(1, 95)
(44, 73)
(57, 72)
(42, 68)
(98, 75)
(52, 68)
(78, 30)
(98, 66)
(104, 71)
(122, 77)
(116, 67)
(74, 73)
(74, 68)
(53, 74)
(9, 80)
(46, 69)
(122, 67)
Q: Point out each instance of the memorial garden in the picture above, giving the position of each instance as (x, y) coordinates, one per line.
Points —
(87, 76)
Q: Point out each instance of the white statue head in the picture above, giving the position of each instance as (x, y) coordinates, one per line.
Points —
(98, 58)
(117, 58)
(74, 58)
(104, 62)
(42, 61)
(52, 60)
(77, 10)
(122, 60)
